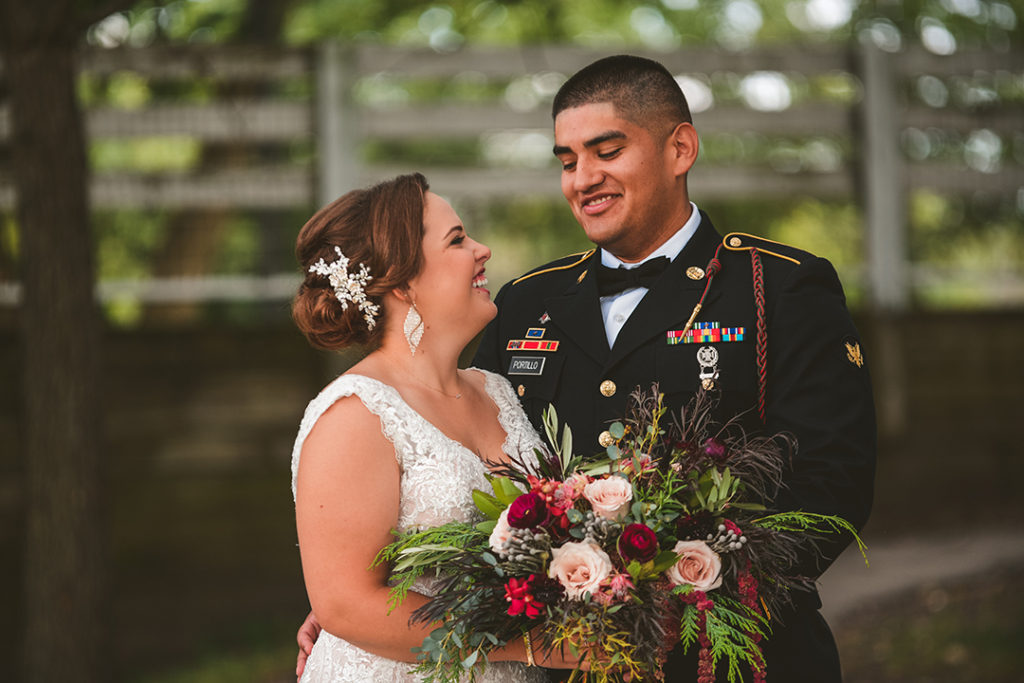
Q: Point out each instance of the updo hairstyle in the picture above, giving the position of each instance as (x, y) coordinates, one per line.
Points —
(381, 226)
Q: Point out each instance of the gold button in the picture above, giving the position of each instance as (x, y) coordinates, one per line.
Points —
(521, 390)
(735, 241)
(606, 439)
(695, 273)
(607, 388)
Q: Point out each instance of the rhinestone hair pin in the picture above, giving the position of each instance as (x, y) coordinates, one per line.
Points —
(349, 286)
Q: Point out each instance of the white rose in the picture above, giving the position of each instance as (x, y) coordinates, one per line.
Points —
(580, 568)
(609, 497)
(698, 566)
(500, 535)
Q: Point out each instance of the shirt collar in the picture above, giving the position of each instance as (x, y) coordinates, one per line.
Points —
(670, 248)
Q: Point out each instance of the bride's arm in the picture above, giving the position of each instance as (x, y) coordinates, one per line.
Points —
(347, 502)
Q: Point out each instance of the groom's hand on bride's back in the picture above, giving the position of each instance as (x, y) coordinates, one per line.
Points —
(307, 635)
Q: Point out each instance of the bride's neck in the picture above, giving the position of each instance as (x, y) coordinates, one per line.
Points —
(432, 364)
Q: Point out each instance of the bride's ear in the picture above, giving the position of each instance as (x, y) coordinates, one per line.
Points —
(403, 294)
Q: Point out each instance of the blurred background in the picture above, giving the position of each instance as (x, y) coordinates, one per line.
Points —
(157, 160)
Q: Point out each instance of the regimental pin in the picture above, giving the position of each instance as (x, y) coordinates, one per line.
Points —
(695, 273)
(853, 353)
(707, 357)
(543, 320)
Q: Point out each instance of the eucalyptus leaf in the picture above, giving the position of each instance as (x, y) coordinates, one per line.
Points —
(617, 430)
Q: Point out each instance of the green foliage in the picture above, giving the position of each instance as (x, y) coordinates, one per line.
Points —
(147, 155)
(730, 626)
(416, 553)
(813, 524)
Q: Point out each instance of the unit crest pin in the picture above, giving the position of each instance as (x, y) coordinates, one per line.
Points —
(707, 356)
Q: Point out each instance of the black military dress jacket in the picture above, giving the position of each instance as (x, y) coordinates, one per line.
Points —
(549, 340)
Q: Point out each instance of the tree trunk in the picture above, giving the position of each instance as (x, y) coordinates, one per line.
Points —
(64, 618)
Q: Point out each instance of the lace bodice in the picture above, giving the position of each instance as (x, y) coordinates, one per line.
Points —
(438, 476)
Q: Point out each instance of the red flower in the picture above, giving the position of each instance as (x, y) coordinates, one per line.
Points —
(519, 594)
(731, 526)
(528, 511)
(638, 542)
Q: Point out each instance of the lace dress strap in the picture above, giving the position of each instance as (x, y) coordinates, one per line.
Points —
(380, 399)
(520, 437)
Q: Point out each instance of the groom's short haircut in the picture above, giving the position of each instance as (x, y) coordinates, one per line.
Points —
(642, 91)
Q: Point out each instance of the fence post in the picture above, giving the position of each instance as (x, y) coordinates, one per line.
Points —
(884, 183)
(337, 125)
(336, 129)
(884, 187)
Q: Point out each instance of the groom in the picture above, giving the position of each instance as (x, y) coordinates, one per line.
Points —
(775, 342)
(774, 339)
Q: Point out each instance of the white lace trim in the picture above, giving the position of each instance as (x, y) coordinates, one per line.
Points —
(437, 480)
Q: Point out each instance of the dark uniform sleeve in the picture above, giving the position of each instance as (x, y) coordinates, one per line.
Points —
(820, 392)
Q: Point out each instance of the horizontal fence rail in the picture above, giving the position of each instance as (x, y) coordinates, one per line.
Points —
(322, 102)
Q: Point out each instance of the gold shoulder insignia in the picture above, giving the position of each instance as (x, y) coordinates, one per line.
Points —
(741, 241)
(576, 260)
(853, 354)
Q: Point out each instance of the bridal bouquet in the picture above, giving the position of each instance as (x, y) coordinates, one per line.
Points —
(663, 541)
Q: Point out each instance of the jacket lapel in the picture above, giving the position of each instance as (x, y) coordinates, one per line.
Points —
(577, 313)
(670, 301)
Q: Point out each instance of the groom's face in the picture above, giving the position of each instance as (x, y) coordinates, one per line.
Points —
(619, 178)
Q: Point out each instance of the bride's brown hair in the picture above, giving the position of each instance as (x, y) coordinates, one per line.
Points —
(381, 226)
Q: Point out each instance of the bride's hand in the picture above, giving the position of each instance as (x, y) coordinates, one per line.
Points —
(306, 637)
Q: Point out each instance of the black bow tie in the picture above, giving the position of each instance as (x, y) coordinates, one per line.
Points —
(614, 280)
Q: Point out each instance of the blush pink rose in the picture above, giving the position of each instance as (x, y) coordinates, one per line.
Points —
(500, 534)
(580, 568)
(698, 566)
(609, 497)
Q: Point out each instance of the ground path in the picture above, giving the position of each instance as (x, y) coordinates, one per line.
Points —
(907, 564)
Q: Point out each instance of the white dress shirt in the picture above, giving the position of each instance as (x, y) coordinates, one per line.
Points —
(616, 308)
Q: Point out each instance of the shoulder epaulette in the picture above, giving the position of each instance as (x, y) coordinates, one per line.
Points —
(741, 241)
(564, 263)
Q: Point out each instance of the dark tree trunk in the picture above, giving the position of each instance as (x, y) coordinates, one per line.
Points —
(64, 623)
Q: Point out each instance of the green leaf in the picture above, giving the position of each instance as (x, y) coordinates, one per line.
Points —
(664, 560)
(754, 507)
(489, 559)
(469, 661)
(617, 430)
(505, 490)
(487, 527)
(613, 452)
(488, 504)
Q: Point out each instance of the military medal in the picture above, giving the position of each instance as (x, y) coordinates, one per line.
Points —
(707, 356)
(704, 333)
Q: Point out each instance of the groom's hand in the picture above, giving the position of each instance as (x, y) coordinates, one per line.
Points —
(307, 635)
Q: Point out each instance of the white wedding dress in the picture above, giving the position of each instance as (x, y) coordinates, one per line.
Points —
(438, 476)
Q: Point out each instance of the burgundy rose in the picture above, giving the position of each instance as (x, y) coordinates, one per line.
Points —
(638, 542)
(527, 511)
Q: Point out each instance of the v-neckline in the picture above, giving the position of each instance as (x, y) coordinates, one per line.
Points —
(461, 446)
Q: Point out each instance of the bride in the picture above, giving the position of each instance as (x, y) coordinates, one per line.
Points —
(402, 438)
